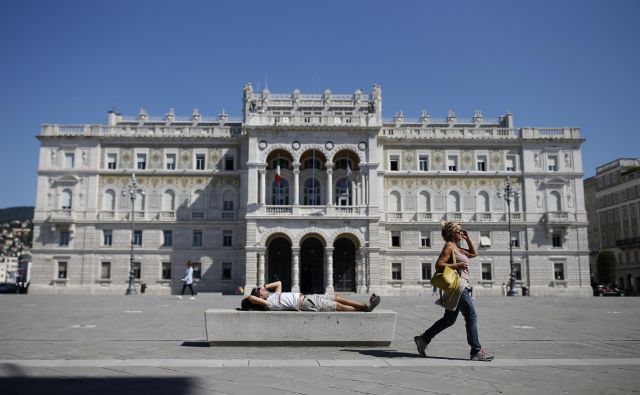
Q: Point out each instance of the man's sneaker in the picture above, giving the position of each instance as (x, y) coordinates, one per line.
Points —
(482, 355)
(179, 297)
(422, 346)
(192, 298)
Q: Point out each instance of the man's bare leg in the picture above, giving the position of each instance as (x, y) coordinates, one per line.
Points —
(359, 306)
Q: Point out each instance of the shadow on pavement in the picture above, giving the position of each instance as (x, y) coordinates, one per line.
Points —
(97, 385)
(195, 344)
(398, 354)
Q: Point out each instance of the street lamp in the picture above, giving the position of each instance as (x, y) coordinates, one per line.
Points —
(508, 192)
(133, 187)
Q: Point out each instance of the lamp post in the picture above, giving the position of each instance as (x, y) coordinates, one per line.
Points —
(131, 290)
(508, 192)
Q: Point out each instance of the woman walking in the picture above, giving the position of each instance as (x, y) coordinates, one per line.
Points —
(187, 280)
(458, 259)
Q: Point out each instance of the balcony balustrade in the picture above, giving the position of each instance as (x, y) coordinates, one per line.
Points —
(62, 216)
(558, 217)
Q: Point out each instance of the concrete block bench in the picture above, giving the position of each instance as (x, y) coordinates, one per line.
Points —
(299, 328)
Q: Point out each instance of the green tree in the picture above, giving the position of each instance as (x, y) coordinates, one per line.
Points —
(607, 266)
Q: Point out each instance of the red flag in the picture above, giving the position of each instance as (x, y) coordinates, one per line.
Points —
(278, 174)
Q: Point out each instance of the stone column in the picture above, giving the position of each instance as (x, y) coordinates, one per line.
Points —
(261, 268)
(295, 270)
(263, 183)
(296, 184)
(250, 271)
(329, 183)
(329, 270)
(360, 259)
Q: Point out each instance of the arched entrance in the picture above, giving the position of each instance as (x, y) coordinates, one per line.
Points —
(344, 265)
(312, 266)
(279, 264)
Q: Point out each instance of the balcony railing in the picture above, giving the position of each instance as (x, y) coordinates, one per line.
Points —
(483, 217)
(280, 210)
(227, 215)
(558, 217)
(197, 215)
(62, 216)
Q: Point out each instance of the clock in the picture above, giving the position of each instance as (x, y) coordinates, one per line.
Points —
(295, 145)
(362, 146)
(328, 145)
(262, 145)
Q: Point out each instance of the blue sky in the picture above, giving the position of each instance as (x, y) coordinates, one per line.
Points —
(551, 63)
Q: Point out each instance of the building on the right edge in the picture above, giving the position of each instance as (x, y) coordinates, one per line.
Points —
(612, 201)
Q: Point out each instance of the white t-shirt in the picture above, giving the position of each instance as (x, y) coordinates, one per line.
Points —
(283, 301)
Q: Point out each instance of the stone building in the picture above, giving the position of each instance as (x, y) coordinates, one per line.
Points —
(316, 190)
(612, 200)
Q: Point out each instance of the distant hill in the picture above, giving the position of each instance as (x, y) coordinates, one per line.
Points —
(16, 213)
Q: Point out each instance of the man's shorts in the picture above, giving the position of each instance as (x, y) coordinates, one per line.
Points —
(318, 302)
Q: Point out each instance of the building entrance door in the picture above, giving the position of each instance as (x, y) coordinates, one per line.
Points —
(279, 265)
(344, 265)
(312, 267)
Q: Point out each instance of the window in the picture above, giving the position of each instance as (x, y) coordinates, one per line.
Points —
(107, 237)
(556, 239)
(196, 239)
(69, 159)
(394, 162)
(515, 239)
(167, 238)
(426, 271)
(558, 271)
(396, 271)
(62, 270)
(226, 271)
(105, 271)
(67, 199)
(227, 205)
(452, 163)
(485, 238)
(200, 160)
(137, 269)
(481, 163)
(166, 270)
(112, 161)
(395, 239)
(141, 161)
(486, 271)
(64, 238)
(228, 162)
(170, 162)
(510, 164)
(197, 270)
(423, 162)
(227, 238)
(552, 163)
(137, 238)
(517, 270)
(425, 239)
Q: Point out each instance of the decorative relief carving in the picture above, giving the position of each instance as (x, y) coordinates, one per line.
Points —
(156, 159)
(408, 157)
(467, 159)
(126, 158)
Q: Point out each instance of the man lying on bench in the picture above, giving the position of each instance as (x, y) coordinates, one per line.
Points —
(262, 299)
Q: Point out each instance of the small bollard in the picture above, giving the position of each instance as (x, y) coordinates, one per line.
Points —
(525, 290)
(143, 287)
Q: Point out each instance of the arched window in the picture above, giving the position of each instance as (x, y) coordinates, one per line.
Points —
(139, 203)
(109, 200)
(482, 202)
(311, 192)
(228, 199)
(424, 202)
(343, 192)
(393, 202)
(453, 202)
(168, 200)
(342, 164)
(67, 199)
(284, 163)
(280, 193)
(197, 200)
(555, 203)
(310, 164)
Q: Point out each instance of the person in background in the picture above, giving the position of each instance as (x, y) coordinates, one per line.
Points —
(187, 280)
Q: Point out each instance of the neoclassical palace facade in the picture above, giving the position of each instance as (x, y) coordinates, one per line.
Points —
(315, 190)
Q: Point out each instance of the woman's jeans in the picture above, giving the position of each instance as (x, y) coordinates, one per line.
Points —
(185, 285)
(468, 310)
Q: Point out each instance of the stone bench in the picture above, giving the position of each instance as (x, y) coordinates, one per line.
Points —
(299, 328)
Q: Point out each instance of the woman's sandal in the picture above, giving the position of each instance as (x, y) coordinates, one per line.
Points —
(373, 302)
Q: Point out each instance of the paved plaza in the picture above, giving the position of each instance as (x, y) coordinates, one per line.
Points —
(156, 344)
